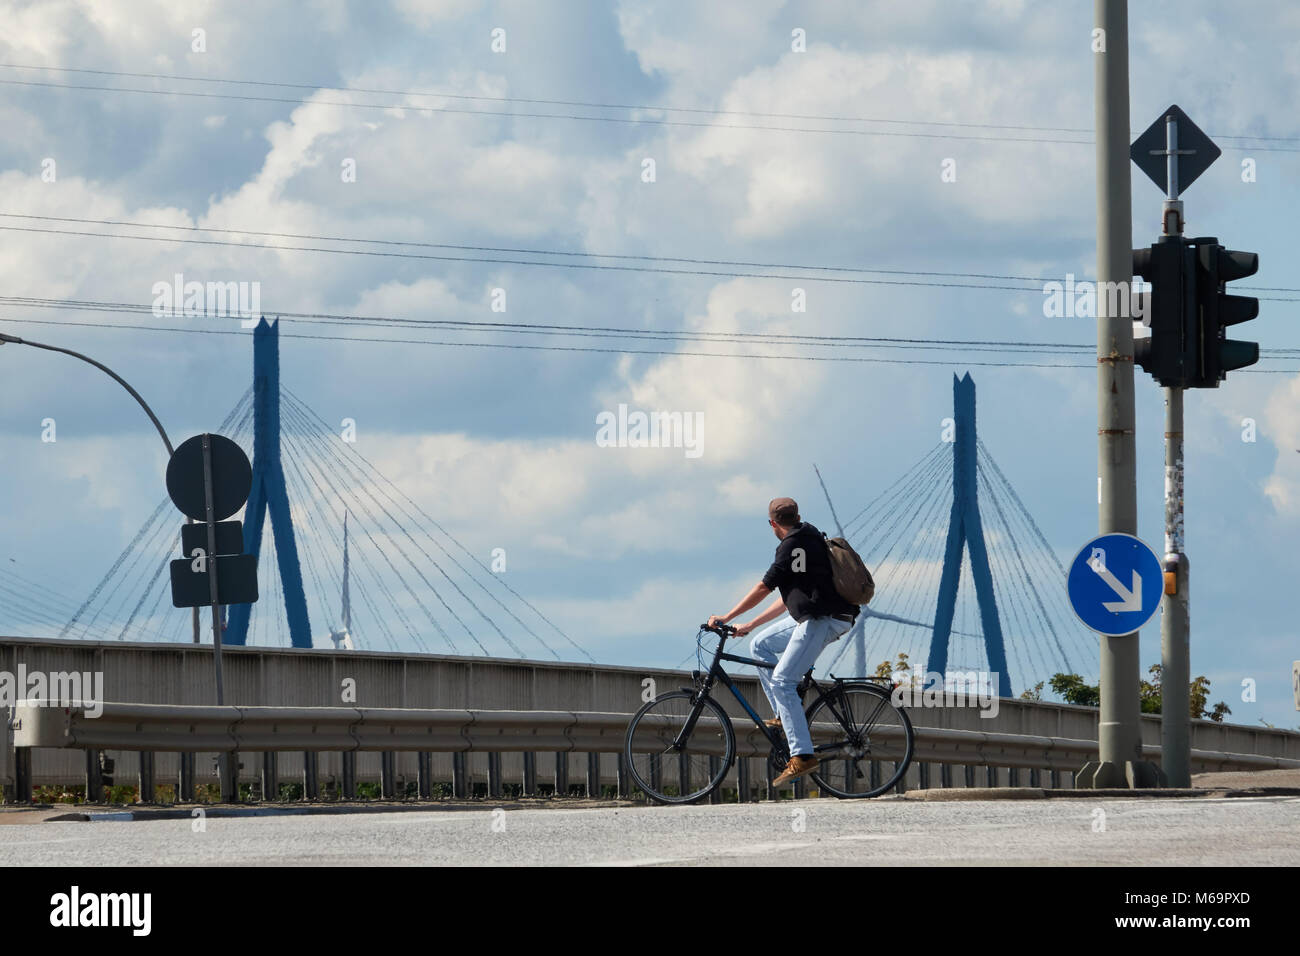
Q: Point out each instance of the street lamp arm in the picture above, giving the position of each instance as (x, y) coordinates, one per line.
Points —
(15, 340)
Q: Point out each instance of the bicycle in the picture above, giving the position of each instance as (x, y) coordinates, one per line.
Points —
(675, 728)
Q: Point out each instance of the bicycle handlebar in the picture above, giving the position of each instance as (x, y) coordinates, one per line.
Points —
(723, 630)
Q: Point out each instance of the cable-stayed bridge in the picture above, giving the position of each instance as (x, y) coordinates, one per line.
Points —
(966, 579)
(400, 581)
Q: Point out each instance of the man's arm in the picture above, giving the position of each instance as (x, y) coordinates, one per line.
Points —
(750, 600)
(774, 610)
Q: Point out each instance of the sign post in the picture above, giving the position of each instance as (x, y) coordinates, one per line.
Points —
(209, 478)
(212, 564)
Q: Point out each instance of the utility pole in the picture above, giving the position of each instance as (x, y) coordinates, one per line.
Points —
(1120, 761)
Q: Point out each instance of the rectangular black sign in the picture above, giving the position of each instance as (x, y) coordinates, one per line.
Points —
(236, 582)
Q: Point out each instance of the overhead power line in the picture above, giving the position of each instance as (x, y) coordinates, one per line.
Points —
(1014, 347)
(1038, 281)
(515, 250)
(528, 114)
(515, 262)
(582, 104)
(535, 328)
(561, 348)
(958, 361)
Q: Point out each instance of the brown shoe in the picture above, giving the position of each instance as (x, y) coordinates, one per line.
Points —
(774, 723)
(797, 767)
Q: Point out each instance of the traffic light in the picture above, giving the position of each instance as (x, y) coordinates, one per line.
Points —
(1169, 354)
(1215, 267)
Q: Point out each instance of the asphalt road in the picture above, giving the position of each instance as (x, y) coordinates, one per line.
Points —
(891, 831)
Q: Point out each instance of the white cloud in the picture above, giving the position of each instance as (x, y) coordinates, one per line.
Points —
(1282, 423)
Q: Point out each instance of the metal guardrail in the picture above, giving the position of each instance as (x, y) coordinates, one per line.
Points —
(181, 673)
(189, 728)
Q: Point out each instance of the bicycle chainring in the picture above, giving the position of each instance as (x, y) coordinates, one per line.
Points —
(777, 759)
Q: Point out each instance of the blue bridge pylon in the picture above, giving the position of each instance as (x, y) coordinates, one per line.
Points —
(966, 528)
(270, 494)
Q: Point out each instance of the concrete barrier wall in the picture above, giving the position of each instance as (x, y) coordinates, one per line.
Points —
(183, 674)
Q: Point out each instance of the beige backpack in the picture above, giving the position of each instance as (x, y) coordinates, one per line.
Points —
(852, 579)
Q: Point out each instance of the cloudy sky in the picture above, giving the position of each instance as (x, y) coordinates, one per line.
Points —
(920, 137)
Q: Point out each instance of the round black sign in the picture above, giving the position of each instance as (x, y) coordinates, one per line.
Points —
(232, 478)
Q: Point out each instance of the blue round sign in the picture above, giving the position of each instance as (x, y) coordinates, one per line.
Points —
(1115, 584)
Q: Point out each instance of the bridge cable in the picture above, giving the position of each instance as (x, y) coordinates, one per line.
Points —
(472, 557)
(347, 471)
(892, 524)
(305, 430)
(312, 505)
(386, 593)
(342, 495)
(316, 504)
(1045, 619)
(925, 488)
(359, 477)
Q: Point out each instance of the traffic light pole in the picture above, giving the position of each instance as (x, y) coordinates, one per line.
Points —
(1190, 309)
(1175, 620)
(1175, 653)
(1120, 762)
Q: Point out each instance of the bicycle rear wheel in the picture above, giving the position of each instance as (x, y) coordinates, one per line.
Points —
(678, 749)
(864, 743)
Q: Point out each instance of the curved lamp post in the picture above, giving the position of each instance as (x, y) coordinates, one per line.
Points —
(15, 340)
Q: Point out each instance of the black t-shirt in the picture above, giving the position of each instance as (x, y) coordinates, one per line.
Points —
(802, 573)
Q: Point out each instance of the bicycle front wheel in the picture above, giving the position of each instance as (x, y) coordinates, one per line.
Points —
(864, 742)
(678, 748)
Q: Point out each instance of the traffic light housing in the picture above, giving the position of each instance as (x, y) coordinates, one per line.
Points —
(1189, 309)
(1219, 355)
(1169, 354)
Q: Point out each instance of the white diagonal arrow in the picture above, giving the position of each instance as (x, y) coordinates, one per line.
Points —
(1130, 600)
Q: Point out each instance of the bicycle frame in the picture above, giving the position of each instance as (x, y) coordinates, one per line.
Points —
(716, 673)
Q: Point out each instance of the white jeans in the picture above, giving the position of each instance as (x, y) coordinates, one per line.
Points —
(793, 648)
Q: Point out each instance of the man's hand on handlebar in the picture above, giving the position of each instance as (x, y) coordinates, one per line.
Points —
(726, 630)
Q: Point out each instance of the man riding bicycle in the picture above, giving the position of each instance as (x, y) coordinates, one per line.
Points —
(801, 571)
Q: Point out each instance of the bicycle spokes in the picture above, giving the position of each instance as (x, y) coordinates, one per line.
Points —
(679, 747)
(864, 742)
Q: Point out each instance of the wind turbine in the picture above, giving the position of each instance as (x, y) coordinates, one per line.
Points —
(342, 638)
